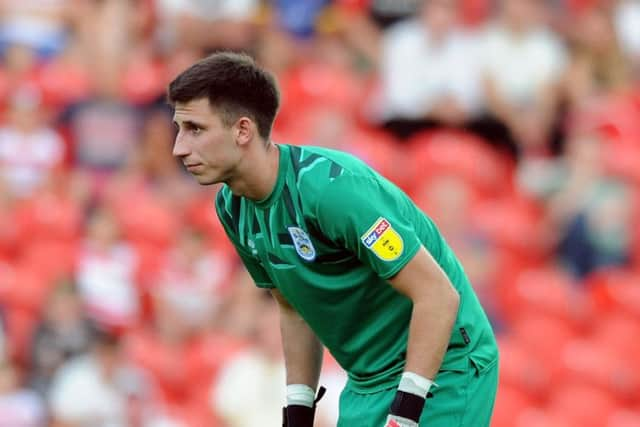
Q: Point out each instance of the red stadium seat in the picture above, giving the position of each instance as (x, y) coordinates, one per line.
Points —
(511, 402)
(550, 291)
(612, 331)
(51, 260)
(541, 418)
(313, 85)
(64, 82)
(22, 288)
(616, 290)
(543, 339)
(143, 80)
(515, 225)
(582, 405)
(9, 232)
(624, 418)
(521, 371)
(145, 218)
(381, 151)
(20, 327)
(50, 217)
(201, 213)
(592, 363)
(448, 151)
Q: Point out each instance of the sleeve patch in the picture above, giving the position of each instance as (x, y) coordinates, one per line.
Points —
(383, 240)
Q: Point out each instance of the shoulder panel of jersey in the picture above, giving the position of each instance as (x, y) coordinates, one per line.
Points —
(316, 167)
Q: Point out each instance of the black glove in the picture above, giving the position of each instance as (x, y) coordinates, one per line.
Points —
(300, 415)
(405, 410)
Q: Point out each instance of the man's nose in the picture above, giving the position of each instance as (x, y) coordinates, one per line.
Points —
(180, 148)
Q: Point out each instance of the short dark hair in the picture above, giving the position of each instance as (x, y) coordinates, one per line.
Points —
(234, 85)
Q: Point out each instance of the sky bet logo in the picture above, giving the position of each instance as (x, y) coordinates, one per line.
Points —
(383, 240)
(375, 234)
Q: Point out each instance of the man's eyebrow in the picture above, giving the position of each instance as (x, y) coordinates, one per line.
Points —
(190, 124)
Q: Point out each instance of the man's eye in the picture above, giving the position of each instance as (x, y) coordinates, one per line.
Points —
(196, 130)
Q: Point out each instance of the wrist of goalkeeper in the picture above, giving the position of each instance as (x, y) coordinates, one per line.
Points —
(409, 401)
(301, 405)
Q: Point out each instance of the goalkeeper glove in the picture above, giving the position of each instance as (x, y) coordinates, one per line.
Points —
(294, 415)
(408, 404)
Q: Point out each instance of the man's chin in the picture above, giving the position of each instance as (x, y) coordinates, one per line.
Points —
(206, 180)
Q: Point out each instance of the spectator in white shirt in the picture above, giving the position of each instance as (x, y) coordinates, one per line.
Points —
(523, 64)
(627, 23)
(106, 273)
(29, 149)
(429, 70)
(96, 389)
(19, 406)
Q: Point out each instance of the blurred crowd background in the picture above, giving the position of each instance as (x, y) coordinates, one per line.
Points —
(515, 124)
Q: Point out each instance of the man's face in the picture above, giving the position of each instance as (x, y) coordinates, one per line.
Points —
(204, 144)
(440, 16)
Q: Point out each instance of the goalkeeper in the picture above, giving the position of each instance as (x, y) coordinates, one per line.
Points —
(354, 265)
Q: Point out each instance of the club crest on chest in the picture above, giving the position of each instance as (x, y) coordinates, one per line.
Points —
(302, 243)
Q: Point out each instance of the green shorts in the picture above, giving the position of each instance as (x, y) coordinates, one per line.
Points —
(464, 398)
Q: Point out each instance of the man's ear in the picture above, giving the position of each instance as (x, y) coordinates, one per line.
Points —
(244, 130)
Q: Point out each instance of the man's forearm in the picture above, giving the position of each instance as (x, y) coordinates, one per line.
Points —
(302, 349)
(435, 309)
(430, 329)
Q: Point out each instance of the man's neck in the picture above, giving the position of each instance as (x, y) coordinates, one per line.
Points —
(258, 175)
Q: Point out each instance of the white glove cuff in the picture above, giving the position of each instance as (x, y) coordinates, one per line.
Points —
(300, 394)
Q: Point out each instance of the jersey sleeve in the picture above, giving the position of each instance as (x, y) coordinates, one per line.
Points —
(251, 263)
(370, 218)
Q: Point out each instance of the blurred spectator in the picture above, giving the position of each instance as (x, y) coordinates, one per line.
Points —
(29, 149)
(40, 24)
(298, 18)
(97, 389)
(194, 279)
(589, 212)
(600, 233)
(4, 351)
(164, 175)
(206, 25)
(523, 63)
(19, 63)
(449, 200)
(19, 406)
(106, 273)
(256, 378)
(429, 71)
(627, 22)
(388, 12)
(63, 333)
(104, 130)
(598, 65)
(237, 314)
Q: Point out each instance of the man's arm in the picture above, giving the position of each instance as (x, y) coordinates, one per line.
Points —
(435, 308)
(303, 360)
(302, 349)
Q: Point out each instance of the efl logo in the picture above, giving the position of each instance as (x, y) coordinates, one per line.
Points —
(383, 240)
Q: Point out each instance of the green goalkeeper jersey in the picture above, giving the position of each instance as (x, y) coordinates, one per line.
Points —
(328, 237)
